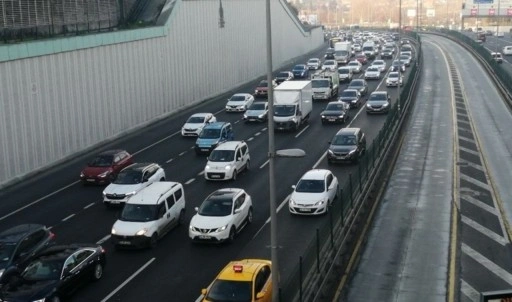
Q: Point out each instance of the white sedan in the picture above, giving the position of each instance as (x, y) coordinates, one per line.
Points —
(221, 216)
(372, 73)
(393, 79)
(314, 63)
(355, 66)
(196, 122)
(331, 65)
(314, 193)
(239, 102)
(381, 64)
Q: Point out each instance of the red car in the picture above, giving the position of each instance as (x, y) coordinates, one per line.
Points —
(105, 166)
(262, 89)
(362, 58)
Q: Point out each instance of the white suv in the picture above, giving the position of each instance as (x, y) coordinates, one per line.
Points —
(149, 215)
(221, 216)
(227, 160)
(314, 193)
(131, 180)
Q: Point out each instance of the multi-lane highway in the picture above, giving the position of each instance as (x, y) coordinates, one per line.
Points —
(177, 269)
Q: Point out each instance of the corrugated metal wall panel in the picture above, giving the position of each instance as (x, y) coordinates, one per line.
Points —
(56, 105)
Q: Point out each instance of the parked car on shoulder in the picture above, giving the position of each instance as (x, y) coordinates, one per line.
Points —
(105, 166)
(196, 122)
(496, 56)
(130, 180)
(348, 145)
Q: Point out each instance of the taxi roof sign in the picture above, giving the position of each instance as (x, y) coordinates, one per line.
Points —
(238, 268)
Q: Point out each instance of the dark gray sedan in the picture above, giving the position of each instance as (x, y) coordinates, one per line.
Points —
(335, 112)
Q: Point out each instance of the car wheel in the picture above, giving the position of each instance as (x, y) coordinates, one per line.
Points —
(153, 240)
(248, 165)
(181, 218)
(234, 175)
(232, 233)
(249, 216)
(98, 272)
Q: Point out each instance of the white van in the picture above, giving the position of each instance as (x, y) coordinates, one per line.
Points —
(227, 161)
(507, 50)
(149, 215)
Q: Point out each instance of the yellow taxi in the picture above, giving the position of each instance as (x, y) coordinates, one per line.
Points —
(242, 281)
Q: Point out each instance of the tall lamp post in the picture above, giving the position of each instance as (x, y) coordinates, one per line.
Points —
(399, 46)
(272, 154)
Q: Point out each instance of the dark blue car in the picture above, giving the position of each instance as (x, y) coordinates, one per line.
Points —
(300, 71)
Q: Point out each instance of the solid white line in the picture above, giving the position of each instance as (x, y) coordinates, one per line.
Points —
(170, 160)
(128, 280)
(305, 128)
(38, 200)
(182, 153)
(89, 205)
(472, 294)
(250, 139)
(190, 181)
(264, 164)
(200, 173)
(285, 201)
(319, 160)
(104, 239)
(491, 266)
(484, 231)
(257, 133)
(69, 217)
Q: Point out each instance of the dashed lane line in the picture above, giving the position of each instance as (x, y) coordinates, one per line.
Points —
(264, 164)
(250, 139)
(170, 160)
(190, 181)
(89, 205)
(257, 133)
(182, 153)
(69, 217)
(128, 280)
(200, 173)
(283, 203)
(305, 128)
(102, 240)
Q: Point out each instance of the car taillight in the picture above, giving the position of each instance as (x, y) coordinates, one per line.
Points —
(51, 235)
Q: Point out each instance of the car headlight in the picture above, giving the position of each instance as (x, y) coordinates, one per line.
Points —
(256, 91)
(141, 232)
(241, 107)
(368, 106)
(207, 167)
(319, 203)
(322, 116)
(130, 193)
(2, 272)
(292, 202)
(340, 116)
(40, 300)
(354, 101)
(228, 167)
(261, 116)
(82, 174)
(104, 194)
(294, 119)
(113, 232)
(385, 105)
(104, 174)
(352, 152)
(222, 228)
(330, 152)
(245, 116)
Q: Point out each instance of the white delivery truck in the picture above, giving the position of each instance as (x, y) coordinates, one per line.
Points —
(293, 103)
(325, 85)
(342, 52)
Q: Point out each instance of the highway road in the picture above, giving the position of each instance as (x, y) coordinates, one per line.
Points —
(442, 231)
(177, 269)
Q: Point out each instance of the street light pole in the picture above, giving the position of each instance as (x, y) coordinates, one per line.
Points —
(399, 47)
(271, 157)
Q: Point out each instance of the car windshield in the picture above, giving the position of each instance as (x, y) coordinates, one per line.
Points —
(102, 161)
(310, 186)
(375, 68)
(195, 120)
(263, 84)
(334, 107)
(356, 84)
(43, 269)
(299, 67)
(284, 110)
(329, 62)
(350, 93)
(313, 61)
(377, 63)
(138, 212)
(6, 250)
(397, 63)
(344, 140)
(353, 64)
(222, 155)
(368, 48)
(237, 98)
(230, 291)
(128, 177)
(404, 57)
(210, 133)
(216, 207)
(343, 70)
(377, 97)
(282, 75)
(257, 106)
(393, 75)
(317, 83)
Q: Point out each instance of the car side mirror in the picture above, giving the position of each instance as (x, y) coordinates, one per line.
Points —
(238, 158)
(294, 186)
(260, 295)
(196, 209)
(204, 292)
(237, 211)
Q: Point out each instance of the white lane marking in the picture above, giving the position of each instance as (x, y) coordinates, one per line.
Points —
(69, 217)
(38, 200)
(250, 139)
(50, 227)
(491, 266)
(320, 160)
(170, 160)
(236, 122)
(305, 128)
(478, 203)
(157, 142)
(469, 151)
(285, 201)
(104, 239)
(89, 205)
(128, 280)
(264, 164)
(190, 181)
(200, 173)
(475, 182)
(264, 129)
(472, 165)
(257, 133)
(182, 153)
(466, 139)
(469, 291)
(484, 231)
(192, 147)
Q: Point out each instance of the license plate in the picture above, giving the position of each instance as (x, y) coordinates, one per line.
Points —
(215, 176)
(91, 180)
(205, 237)
(125, 242)
(205, 150)
(305, 210)
(332, 120)
(252, 120)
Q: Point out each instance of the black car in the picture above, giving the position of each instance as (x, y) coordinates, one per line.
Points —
(359, 84)
(378, 102)
(335, 112)
(284, 76)
(348, 145)
(329, 54)
(300, 71)
(396, 65)
(386, 54)
(19, 245)
(351, 97)
(56, 273)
